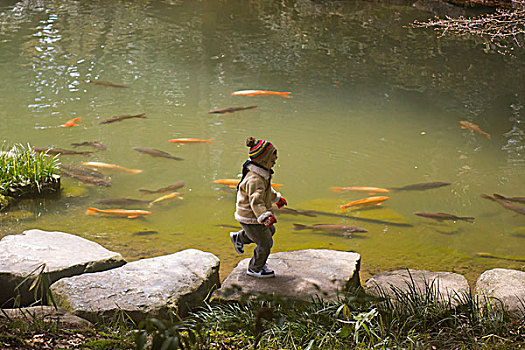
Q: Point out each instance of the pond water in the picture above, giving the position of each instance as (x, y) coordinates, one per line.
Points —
(373, 103)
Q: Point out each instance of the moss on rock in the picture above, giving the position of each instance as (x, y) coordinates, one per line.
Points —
(4, 202)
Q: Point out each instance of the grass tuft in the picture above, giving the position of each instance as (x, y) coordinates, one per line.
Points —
(20, 167)
(408, 319)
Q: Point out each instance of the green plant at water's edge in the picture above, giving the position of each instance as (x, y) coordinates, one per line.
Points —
(36, 282)
(158, 334)
(20, 166)
(412, 319)
(19, 331)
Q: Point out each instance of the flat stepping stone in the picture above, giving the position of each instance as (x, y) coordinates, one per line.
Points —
(505, 286)
(46, 314)
(448, 286)
(302, 274)
(154, 287)
(63, 254)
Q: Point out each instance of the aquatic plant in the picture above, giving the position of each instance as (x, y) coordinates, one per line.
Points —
(21, 167)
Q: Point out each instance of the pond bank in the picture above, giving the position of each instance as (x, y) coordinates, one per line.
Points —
(75, 266)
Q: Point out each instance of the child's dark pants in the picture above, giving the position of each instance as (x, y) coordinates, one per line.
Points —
(260, 235)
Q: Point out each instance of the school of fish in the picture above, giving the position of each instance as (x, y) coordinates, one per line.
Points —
(87, 175)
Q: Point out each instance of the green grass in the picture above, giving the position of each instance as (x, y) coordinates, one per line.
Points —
(21, 166)
(104, 344)
(411, 320)
(35, 331)
(354, 321)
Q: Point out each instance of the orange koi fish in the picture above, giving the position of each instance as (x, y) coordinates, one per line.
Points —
(189, 140)
(228, 182)
(71, 122)
(260, 92)
(366, 202)
(370, 190)
(232, 183)
(130, 214)
(473, 127)
(100, 165)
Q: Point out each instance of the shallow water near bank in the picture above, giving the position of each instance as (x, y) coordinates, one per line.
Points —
(373, 103)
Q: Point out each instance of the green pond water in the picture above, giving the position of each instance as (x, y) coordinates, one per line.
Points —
(373, 103)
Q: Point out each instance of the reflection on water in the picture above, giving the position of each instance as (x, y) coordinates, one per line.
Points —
(515, 142)
(373, 104)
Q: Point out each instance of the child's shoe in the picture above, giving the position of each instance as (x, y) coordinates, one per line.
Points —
(239, 247)
(264, 273)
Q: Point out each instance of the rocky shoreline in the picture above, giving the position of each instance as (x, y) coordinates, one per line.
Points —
(94, 283)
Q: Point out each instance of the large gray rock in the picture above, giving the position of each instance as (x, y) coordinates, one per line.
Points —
(302, 274)
(506, 286)
(446, 286)
(145, 288)
(47, 314)
(63, 254)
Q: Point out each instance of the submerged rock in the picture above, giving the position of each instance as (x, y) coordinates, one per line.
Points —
(301, 274)
(74, 191)
(519, 232)
(155, 287)
(445, 286)
(59, 254)
(16, 215)
(503, 286)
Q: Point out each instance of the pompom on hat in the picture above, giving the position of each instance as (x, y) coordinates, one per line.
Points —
(259, 149)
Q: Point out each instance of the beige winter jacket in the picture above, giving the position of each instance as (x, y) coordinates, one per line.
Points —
(255, 197)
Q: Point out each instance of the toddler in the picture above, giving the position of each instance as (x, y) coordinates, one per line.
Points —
(255, 197)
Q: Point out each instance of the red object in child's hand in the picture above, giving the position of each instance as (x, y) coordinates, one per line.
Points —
(270, 221)
(281, 203)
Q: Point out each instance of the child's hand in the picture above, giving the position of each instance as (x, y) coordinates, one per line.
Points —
(281, 203)
(270, 221)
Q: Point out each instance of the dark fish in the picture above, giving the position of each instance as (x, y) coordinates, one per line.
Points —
(228, 189)
(122, 117)
(291, 211)
(170, 188)
(510, 199)
(373, 221)
(444, 216)
(502, 257)
(329, 228)
(505, 204)
(155, 153)
(106, 83)
(231, 110)
(421, 186)
(87, 179)
(54, 151)
(94, 144)
(121, 201)
(145, 233)
(228, 226)
(81, 170)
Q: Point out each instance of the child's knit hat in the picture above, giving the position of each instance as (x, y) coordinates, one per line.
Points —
(259, 149)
